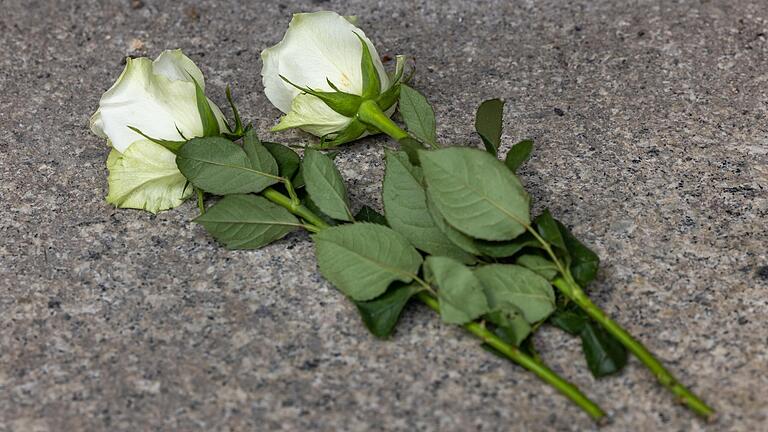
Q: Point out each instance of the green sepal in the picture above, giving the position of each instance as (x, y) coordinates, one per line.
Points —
(353, 131)
(207, 117)
(387, 99)
(173, 146)
(239, 130)
(343, 103)
(371, 80)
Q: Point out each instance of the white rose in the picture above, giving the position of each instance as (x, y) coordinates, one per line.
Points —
(321, 52)
(158, 98)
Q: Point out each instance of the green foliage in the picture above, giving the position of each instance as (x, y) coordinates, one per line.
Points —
(221, 167)
(538, 264)
(405, 204)
(584, 262)
(519, 286)
(518, 154)
(418, 115)
(488, 124)
(362, 259)
(381, 314)
(325, 185)
(547, 227)
(247, 221)
(476, 193)
(511, 325)
(288, 161)
(460, 293)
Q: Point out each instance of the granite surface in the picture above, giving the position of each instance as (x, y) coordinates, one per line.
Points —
(651, 124)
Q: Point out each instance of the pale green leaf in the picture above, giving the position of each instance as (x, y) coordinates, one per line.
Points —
(540, 265)
(418, 115)
(519, 286)
(405, 204)
(362, 259)
(247, 221)
(460, 293)
(476, 193)
(325, 185)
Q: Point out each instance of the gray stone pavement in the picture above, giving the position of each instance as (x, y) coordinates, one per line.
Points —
(650, 120)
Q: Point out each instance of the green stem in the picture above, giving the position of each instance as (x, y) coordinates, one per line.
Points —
(200, 200)
(294, 207)
(569, 287)
(513, 353)
(370, 114)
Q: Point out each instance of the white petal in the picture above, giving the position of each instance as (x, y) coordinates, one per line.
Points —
(312, 115)
(316, 47)
(175, 66)
(145, 177)
(152, 103)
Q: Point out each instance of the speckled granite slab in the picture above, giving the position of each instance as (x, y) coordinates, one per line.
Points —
(650, 120)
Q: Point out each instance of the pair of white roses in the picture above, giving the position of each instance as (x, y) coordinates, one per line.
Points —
(319, 55)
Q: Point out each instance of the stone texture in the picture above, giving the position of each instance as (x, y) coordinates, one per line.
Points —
(650, 121)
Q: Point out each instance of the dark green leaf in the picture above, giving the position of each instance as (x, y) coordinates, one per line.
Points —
(219, 166)
(381, 314)
(539, 264)
(518, 154)
(288, 161)
(418, 115)
(362, 259)
(584, 262)
(569, 320)
(488, 124)
(208, 118)
(325, 185)
(605, 355)
(502, 249)
(518, 286)
(247, 221)
(371, 80)
(405, 205)
(548, 229)
(476, 193)
(460, 293)
(367, 214)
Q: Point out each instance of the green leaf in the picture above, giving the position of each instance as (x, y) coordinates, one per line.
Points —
(381, 314)
(548, 229)
(288, 161)
(367, 214)
(325, 185)
(405, 205)
(210, 123)
(539, 264)
(460, 292)
(519, 286)
(258, 154)
(503, 249)
(411, 147)
(457, 237)
(571, 321)
(518, 154)
(219, 166)
(511, 325)
(488, 124)
(371, 80)
(362, 259)
(418, 115)
(247, 221)
(605, 355)
(476, 193)
(584, 262)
